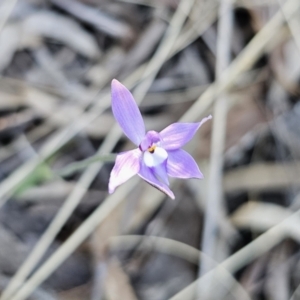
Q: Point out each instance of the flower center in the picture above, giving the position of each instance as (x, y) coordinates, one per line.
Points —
(152, 148)
(150, 141)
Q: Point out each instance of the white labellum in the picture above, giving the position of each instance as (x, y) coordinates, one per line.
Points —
(156, 158)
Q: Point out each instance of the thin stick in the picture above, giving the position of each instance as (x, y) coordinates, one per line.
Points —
(215, 192)
(9, 8)
(293, 26)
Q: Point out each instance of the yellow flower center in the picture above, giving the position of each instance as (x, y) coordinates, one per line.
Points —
(152, 149)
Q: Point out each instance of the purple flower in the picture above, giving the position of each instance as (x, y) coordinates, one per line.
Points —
(158, 154)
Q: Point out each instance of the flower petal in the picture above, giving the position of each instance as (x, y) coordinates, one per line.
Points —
(180, 164)
(127, 112)
(178, 134)
(148, 175)
(127, 165)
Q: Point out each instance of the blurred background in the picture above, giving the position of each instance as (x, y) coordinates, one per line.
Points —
(233, 235)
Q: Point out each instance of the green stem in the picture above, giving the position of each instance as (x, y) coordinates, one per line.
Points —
(80, 165)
